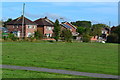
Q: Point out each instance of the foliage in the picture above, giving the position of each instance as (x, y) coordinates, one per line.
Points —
(101, 25)
(67, 35)
(38, 35)
(12, 37)
(86, 38)
(82, 23)
(80, 30)
(9, 19)
(56, 30)
(96, 30)
(31, 38)
(4, 37)
(117, 31)
(112, 38)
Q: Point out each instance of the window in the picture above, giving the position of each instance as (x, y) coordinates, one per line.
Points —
(29, 34)
(49, 28)
(34, 27)
(16, 26)
(48, 35)
(29, 26)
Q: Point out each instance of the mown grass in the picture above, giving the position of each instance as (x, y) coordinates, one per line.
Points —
(84, 57)
(11, 73)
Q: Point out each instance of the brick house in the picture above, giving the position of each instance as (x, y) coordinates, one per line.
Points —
(45, 26)
(15, 27)
(64, 26)
(72, 28)
(104, 33)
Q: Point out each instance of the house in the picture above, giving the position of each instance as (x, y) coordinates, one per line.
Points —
(104, 33)
(64, 26)
(72, 28)
(45, 26)
(15, 27)
(113, 29)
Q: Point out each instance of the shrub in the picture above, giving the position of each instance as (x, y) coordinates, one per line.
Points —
(112, 38)
(31, 38)
(38, 35)
(86, 38)
(12, 37)
(67, 35)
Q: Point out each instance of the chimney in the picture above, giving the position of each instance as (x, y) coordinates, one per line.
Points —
(45, 17)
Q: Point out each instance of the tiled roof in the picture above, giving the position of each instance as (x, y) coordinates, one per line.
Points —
(18, 21)
(44, 22)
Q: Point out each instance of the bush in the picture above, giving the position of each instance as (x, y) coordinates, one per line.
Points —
(66, 35)
(112, 38)
(38, 35)
(12, 37)
(86, 38)
(5, 37)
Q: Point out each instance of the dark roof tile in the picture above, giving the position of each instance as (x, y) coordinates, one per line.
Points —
(18, 21)
(44, 22)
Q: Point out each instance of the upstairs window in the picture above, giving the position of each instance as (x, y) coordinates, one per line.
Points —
(30, 26)
(49, 28)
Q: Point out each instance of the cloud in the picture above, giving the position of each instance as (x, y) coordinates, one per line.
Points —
(55, 16)
(52, 16)
(32, 15)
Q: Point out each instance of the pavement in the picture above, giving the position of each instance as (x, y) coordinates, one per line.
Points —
(96, 75)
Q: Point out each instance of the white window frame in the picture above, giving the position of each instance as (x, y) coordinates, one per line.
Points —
(49, 28)
(30, 26)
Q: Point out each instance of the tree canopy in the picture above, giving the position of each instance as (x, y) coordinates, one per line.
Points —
(82, 23)
(56, 30)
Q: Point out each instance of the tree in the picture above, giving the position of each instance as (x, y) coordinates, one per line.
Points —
(86, 38)
(56, 30)
(38, 35)
(112, 38)
(9, 19)
(101, 25)
(96, 29)
(117, 31)
(67, 35)
(80, 30)
(82, 23)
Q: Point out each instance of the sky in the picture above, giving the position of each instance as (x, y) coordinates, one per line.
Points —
(96, 12)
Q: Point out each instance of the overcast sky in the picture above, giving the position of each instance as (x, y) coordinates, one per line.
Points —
(97, 12)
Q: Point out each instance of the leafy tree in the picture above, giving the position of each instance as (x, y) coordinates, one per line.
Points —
(80, 30)
(117, 31)
(82, 23)
(112, 38)
(101, 25)
(67, 35)
(38, 35)
(56, 30)
(9, 19)
(96, 30)
(86, 38)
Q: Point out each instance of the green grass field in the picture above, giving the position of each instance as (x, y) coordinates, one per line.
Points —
(83, 57)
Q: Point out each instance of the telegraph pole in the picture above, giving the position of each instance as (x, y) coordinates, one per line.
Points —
(23, 21)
